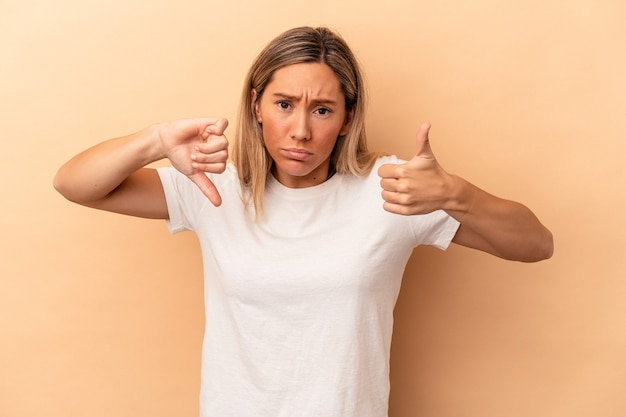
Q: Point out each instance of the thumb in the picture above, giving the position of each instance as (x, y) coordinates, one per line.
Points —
(217, 127)
(207, 187)
(423, 143)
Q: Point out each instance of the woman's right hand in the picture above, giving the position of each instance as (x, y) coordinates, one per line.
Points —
(112, 175)
(195, 147)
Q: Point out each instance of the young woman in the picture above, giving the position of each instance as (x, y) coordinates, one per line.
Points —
(304, 234)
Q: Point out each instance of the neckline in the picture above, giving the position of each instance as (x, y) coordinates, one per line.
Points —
(274, 186)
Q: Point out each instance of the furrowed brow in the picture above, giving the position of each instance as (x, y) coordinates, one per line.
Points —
(320, 101)
(285, 96)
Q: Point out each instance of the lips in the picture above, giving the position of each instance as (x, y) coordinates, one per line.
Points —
(297, 153)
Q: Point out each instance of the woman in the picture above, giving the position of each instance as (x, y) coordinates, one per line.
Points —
(302, 257)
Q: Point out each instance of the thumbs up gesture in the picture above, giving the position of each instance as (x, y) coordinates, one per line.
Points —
(418, 186)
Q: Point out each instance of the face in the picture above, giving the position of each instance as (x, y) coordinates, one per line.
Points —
(302, 112)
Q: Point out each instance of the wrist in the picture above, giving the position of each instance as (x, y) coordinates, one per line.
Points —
(462, 200)
(150, 143)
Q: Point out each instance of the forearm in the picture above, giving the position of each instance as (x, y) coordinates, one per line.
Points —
(501, 227)
(96, 172)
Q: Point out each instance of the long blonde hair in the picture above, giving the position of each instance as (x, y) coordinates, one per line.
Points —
(300, 45)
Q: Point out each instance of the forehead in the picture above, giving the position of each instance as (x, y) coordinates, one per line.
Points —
(316, 79)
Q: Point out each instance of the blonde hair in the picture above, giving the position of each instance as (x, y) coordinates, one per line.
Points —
(300, 45)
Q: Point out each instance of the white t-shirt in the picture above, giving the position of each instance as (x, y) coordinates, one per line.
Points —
(299, 306)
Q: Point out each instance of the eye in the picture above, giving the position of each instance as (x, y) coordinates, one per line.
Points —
(283, 105)
(323, 111)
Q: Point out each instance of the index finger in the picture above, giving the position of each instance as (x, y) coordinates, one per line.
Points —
(388, 171)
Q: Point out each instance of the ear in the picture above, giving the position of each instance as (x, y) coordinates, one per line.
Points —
(347, 122)
(255, 105)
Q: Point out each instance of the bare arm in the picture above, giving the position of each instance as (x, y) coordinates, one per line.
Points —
(111, 175)
(500, 227)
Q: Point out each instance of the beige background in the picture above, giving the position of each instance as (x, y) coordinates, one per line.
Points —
(101, 315)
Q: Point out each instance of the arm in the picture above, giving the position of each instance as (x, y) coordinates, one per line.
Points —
(500, 227)
(111, 175)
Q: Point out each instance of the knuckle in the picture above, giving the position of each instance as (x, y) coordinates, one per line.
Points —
(402, 187)
(219, 142)
(222, 155)
(404, 199)
(402, 171)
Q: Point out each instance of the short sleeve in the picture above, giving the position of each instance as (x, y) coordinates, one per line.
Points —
(437, 229)
(177, 188)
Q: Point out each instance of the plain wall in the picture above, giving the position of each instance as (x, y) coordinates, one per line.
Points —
(101, 315)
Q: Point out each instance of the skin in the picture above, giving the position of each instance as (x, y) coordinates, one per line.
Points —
(488, 223)
(111, 175)
(302, 113)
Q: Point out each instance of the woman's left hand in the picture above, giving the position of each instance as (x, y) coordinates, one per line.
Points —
(418, 186)
(501, 227)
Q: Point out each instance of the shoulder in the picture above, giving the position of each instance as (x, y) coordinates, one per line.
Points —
(228, 176)
(388, 159)
(383, 160)
(178, 184)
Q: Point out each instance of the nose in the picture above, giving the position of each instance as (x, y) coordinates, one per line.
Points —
(300, 127)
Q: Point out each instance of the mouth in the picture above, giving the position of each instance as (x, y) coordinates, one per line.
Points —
(297, 153)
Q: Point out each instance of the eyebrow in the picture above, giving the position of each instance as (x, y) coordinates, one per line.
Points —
(296, 98)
